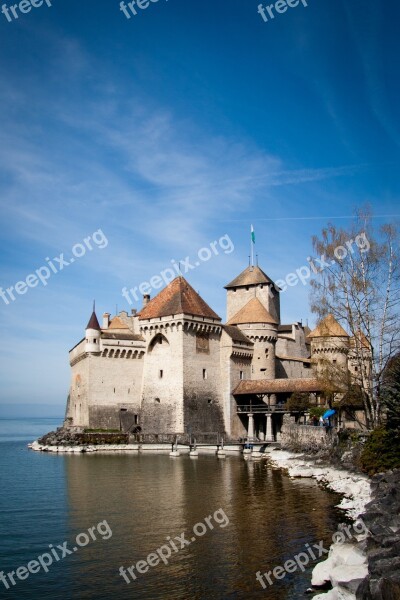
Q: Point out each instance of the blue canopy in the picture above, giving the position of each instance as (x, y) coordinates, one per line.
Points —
(328, 413)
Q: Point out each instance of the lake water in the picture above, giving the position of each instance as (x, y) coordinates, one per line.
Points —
(143, 502)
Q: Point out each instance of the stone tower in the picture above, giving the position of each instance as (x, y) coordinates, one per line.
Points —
(330, 346)
(262, 329)
(253, 283)
(181, 389)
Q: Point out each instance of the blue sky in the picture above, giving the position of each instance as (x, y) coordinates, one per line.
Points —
(185, 123)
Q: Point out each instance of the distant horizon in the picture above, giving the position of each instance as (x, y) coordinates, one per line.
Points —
(31, 411)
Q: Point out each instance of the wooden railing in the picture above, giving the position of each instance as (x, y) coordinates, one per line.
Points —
(261, 409)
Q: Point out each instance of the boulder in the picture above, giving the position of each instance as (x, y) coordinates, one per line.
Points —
(349, 577)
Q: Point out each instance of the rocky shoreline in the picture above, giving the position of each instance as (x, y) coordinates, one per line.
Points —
(363, 561)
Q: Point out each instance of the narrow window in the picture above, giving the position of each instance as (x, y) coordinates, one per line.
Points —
(204, 373)
(241, 375)
(161, 374)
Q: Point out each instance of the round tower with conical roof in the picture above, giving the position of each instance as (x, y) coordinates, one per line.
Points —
(93, 335)
(262, 329)
(330, 345)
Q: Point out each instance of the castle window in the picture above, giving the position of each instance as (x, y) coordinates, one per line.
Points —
(334, 361)
(161, 372)
(241, 375)
(114, 390)
(157, 400)
(204, 373)
(136, 419)
(307, 365)
(209, 401)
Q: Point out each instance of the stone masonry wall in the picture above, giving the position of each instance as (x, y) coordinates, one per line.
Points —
(202, 400)
(303, 436)
(162, 391)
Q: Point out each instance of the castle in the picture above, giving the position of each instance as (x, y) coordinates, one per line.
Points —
(175, 368)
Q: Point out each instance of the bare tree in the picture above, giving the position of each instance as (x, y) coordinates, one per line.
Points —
(358, 281)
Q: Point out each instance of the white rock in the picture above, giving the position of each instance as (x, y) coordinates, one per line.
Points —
(346, 554)
(331, 595)
(322, 572)
(336, 594)
(348, 576)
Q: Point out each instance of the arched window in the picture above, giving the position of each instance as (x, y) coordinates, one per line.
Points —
(158, 341)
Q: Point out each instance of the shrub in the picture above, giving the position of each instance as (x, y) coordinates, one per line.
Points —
(298, 401)
(317, 411)
(381, 452)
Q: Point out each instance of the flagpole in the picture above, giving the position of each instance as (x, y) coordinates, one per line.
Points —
(251, 246)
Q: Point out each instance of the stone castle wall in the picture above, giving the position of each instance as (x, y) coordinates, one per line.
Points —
(162, 388)
(203, 400)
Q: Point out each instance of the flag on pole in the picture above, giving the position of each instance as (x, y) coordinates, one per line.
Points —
(253, 236)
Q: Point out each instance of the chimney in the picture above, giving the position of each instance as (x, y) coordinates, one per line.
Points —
(106, 320)
(133, 312)
(146, 299)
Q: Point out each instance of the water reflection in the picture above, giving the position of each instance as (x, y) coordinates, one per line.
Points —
(146, 498)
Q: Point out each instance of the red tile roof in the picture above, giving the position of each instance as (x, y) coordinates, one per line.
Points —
(276, 386)
(328, 327)
(236, 335)
(93, 322)
(250, 276)
(252, 312)
(178, 297)
(117, 323)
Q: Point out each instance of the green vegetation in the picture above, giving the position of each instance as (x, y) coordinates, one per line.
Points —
(381, 451)
(298, 401)
(390, 394)
(317, 411)
(102, 431)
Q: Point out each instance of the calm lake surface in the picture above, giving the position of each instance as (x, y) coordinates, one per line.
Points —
(49, 499)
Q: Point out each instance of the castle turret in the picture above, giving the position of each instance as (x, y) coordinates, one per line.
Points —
(253, 283)
(93, 335)
(329, 347)
(261, 328)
